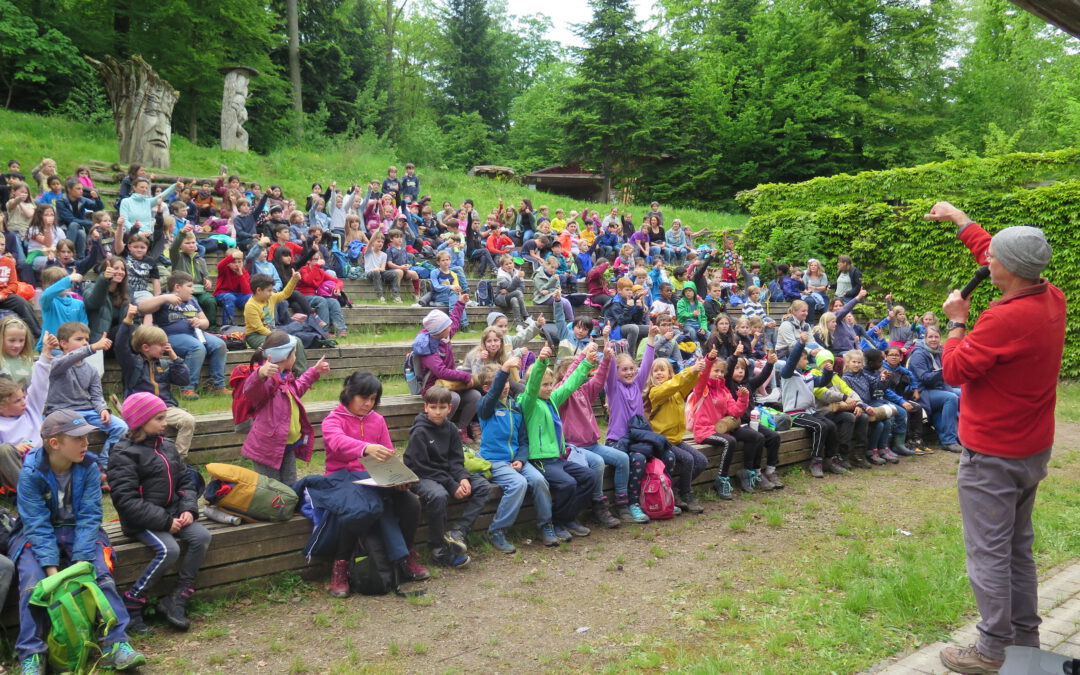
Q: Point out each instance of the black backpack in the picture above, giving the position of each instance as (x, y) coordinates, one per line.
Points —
(371, 572)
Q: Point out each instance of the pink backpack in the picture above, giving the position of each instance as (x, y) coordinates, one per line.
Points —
(657, 498)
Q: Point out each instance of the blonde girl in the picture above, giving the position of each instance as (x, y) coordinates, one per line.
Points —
(824, 330)
(665, 407)
(622, 264)
(354, 230)
(492, 350)
(901, 332)
(16, 351)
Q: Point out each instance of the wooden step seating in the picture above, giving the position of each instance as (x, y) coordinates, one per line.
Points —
(257, 549)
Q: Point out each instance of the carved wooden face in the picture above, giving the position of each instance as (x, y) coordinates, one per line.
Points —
(154, 125)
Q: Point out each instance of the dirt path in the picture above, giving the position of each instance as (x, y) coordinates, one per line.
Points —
(545, 609)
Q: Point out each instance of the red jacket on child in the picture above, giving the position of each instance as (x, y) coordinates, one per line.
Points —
(229, 281)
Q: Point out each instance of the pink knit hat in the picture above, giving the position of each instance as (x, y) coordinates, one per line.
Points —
(140, 408)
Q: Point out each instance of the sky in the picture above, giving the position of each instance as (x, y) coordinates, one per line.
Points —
(565, 13)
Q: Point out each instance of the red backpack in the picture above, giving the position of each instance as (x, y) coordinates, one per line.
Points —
(657, 498)
(241, 407)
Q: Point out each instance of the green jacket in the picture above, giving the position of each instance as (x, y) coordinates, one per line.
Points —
(540, 417)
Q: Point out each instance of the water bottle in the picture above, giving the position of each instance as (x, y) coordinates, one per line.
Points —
(220, 516)
(755, 418)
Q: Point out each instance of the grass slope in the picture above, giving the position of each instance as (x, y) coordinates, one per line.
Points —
(28, 138)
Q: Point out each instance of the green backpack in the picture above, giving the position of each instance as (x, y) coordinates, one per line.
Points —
(79, 613)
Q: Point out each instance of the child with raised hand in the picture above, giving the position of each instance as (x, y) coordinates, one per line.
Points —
(150, 365)
(59, 501)
(280, 432)
(901, 332)
(21, 412)
(739, 373)
(185, 257)
(797, 384)
(75, 385)
(546, 287)
(492, 350)
(156, 500)
(16, 350)
(873, 391)
(353, 433)
(504, 444)
(435, 454)
(665, 407)
(690, 312)
(58, 305)
(712, 401)
(581, 431)
(509, 289)
(571, 484)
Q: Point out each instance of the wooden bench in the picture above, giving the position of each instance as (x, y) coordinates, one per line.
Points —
(257, 549)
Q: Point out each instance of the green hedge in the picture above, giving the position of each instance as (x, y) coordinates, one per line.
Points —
(946, 180)
(920, 261)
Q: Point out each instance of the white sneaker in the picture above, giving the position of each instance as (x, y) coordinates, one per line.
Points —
(471, 303)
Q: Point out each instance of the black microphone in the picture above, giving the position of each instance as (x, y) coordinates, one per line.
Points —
(980, 275)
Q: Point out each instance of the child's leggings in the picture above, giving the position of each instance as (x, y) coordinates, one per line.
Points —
(770, 440)
(690, 463)
(726, 443)
(824, 439)
(633, 480)
(751, 440)
(166, 551)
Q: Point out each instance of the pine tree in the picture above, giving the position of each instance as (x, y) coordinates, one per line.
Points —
(474, 81)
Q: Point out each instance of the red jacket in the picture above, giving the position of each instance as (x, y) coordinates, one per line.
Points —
(311, 277)
(229, 281)
(1007, 366)
(595, 282)
(499, 244)
(9, 278)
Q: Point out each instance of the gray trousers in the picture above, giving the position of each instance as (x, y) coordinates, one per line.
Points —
(996, 498)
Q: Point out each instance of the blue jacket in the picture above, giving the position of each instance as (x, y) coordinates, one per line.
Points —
(868, 385)
(57, 309)
(38, 507)
(79, 211)
(792, 288)
(609, 239)
(902, 371)
(501, 425)
(333, 503)
(929, 374)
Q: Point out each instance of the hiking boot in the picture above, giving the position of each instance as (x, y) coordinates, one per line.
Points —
(137, 626)
(746, 480)
(499, 542)
(762, 482)
(174, 607)
(562, 534)
(953, 447)
(447, 558)
(411, 568)
(835, 466)
(602, 515)
(844, 462)
(680, 502)
(692, 504)
(455, 540)
(859, 461)
(339, 579)
(33, 665)
(189, 395)
(770, 473)
(898, 446)
(969, 660)
(632, 513)
(888, 455)
(875, 458)
(121, 656)
(816, 468)
(547, 535)
(722, 486)
(221, 391)
(577, 529)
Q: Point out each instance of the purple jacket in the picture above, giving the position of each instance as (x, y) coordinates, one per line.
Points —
(265, 443)
(624, 400)
(437, 356)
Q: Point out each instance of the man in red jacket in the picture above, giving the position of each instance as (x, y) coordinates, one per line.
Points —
(1007, 368)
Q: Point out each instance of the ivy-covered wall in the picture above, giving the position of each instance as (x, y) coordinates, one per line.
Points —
(918, 260)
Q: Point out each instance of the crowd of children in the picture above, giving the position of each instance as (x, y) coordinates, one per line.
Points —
(683, 348)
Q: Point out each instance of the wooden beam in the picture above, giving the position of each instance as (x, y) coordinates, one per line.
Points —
(1065, 14)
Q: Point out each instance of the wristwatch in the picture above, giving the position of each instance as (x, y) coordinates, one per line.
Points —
(955, 324)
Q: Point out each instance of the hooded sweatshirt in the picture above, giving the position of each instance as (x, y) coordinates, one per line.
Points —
(542, 420)
(27, 427)
(624, 400)
(579, 420)
(797, 387)
(346, 436)
(434, 452)
(712, 401)
(501, 426)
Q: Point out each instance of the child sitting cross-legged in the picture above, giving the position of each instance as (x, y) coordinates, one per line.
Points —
(60, 508)
(435, 454)
(155, 497)
(75, 385)
(503, 443)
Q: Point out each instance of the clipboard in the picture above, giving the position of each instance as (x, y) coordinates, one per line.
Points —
(390, 473)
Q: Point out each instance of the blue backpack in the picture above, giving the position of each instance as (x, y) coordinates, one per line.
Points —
(485, 294)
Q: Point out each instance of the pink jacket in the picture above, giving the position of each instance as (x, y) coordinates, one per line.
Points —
(345, 437)
(712, 400)
(579, 421)
(265, 443)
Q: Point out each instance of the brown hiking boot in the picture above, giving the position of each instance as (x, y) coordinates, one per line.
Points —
(969, 660)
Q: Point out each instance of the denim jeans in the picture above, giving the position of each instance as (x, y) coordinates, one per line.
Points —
(115, 430)
(571, 487)
(329, 310)
(194, 352)
(944, 408)
(230, 302)
(76, 232)
(616, 458)
(34, 621)
(514, 485)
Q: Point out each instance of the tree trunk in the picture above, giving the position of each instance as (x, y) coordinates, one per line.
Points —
(193, 122)
(294, 66)
(142, 105)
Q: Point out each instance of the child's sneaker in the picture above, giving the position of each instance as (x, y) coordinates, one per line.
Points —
(889, 456)
(447, 558)
(770, 473)
(693, 505)
(816, 468)
(174, 607)
(632, 513)
(464, 435)
(562, 534)
(577, 529)
(121, 656)
(33, 665)
(411, 567)
(835, 466)
(746, 480)
(762, 482)
(722, 485)
(547, 535)
(189, 395)
(500, 543)
(455, 540)
(874, 458)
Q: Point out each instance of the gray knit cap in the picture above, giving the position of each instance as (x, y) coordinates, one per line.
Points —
(492, 317)
(1023, 250)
